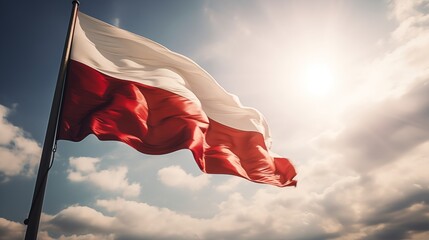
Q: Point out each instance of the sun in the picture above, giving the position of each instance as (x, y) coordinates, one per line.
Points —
(318, 79)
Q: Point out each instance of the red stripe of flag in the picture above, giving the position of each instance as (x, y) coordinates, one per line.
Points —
(156, 121)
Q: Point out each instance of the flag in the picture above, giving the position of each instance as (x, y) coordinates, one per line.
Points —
(124, 87)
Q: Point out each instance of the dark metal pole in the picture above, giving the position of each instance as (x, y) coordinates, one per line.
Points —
(50, 137)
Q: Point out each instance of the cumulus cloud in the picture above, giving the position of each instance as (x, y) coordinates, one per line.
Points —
(85, 169)
(229, 185)
(384, 131)
(389, 203)
(133, 220)
(10, 230)
(392, 202)
(85, 237)
(344, 211)
(19, 154)
(391, 113)
(136, 220)
(383, 145)
(175, 176)
(412, 18)
(78, 219)
(405, 64)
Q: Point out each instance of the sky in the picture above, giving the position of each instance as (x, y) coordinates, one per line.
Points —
(343, 85)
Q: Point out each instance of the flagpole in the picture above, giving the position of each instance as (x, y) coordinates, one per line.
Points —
(49, 145)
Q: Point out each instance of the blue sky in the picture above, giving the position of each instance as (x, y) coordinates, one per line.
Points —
(343, 85)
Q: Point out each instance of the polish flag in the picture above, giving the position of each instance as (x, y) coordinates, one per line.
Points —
(124, 87)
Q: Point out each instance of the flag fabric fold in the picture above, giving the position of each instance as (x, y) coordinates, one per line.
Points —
(124, 87)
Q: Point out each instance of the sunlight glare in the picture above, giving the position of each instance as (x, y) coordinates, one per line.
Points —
(318, 79)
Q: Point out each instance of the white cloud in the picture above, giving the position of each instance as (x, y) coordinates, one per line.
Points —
(85, 169)
(389, 117)
(332, 202)
(133, 220)
(175, 176)
(398, 71)
(381, 133)
(130, 220)
(84, 164)
(19, 154)
(379, 155)
(229, 185)
(405, 63)
(402, 10)
(10, 230)
(86, 237)
(79, 219)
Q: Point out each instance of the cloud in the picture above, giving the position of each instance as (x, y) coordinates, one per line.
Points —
(78, 219)
(229, 185)
(403, 10)
(133, 220)
(10, 230)
(397, 224)
(19, 154)
(389, 117)
(405, 64)
(136, 220)
(114, 179)
(343, 211)
(175, 176)
(412, 18)
(333, 202)
(383, 131)
(85, 237)
(383, 145)
(400, 198)
(398, 71)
